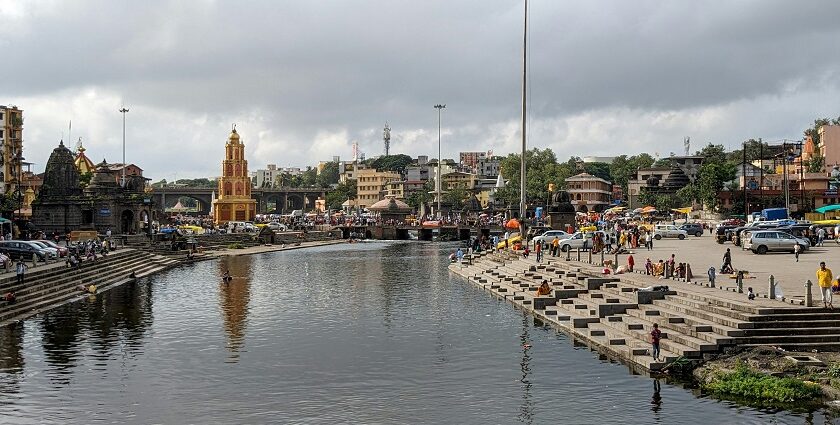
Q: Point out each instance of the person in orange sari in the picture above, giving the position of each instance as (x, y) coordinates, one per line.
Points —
(543, 289)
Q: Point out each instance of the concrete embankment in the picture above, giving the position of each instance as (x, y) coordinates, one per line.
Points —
(615, 315)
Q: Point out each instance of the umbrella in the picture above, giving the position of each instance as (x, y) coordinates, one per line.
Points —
(827, 208)
(512, 224)
(685, 210)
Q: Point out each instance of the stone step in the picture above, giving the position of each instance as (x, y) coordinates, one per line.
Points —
(68, 293)
(682, 310)
(45, 290)
(689, 321)
(792, 331)
(642, 338)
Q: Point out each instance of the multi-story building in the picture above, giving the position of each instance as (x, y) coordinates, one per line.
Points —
(11, 148)
(589, 193)
(830, 144)
(372, 185)
(645, 178)
(488, 167)
(471, 159)
(458, 180)
(347, 170)
(395, 188)
(266, 177)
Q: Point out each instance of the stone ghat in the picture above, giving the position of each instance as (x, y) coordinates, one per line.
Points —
(610, 313)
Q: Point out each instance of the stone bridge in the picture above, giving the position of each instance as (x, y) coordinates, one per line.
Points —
(423, 233)
(269, 200)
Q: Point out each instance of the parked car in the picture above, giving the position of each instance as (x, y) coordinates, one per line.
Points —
(23, 250)
(277, 226)
(582, 240)
(547, 237)
(62, 250)
(763, 241)
(51, 252)
(668, 231)
(693, 229)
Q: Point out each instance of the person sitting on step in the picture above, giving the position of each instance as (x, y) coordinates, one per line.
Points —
(544, 289)
(9, 297)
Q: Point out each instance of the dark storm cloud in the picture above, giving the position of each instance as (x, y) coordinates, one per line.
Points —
(305, 79)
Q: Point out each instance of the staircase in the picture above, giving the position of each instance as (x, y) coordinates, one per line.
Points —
(610, 313)
(49, 286)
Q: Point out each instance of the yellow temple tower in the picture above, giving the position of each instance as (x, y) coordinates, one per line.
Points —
(234, 202)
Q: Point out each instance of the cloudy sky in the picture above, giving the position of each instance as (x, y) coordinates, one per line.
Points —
(303, 80)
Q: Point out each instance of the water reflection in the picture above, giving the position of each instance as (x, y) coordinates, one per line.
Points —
(656, 400)
(526, 410)
(234, 297)
(11, 348)
(116, 320)
(11, 361)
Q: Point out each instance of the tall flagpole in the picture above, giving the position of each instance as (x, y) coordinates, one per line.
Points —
(522, 158)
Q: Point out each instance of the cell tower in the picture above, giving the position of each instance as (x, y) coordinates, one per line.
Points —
(386, 136)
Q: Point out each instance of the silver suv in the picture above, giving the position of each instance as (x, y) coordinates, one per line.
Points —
(762, 241)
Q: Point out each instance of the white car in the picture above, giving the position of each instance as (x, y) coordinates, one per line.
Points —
(582, 240)
(547, 237)
(277, 226)
(668, 231)
(52, 252)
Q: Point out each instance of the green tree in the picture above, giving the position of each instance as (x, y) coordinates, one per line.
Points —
(421, 197)
(815, 164)
(329, 175)
(395, 163)
(599, 169)
(456, 197)
(84, 179)
(542, 169)
(713, 153)
(341, 193)
(309, 177)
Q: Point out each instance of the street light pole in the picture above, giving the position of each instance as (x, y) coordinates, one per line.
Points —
(122, 181)
(439, 107)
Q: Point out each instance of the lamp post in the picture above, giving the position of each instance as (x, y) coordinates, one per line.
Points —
(439, 107)
(123, 110)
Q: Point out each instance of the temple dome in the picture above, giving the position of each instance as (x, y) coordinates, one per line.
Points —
(103, 177)
(234, 136)
(61, 178)
(82, 162)
(390, 204)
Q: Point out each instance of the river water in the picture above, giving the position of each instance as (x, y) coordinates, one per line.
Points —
(355, 333)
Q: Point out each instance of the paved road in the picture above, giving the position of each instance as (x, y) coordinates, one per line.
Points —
(704, 252)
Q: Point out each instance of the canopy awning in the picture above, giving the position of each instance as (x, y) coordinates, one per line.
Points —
(828, 208)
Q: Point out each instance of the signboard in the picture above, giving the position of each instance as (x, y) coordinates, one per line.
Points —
(104, 211)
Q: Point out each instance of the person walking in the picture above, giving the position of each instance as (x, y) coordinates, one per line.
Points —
(796, 250)
(727, 262)
(538, 250)
(655, 336)
(824, 278)
(20, 270)
(820, 236)
(555, 247)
